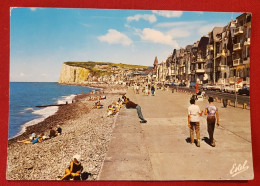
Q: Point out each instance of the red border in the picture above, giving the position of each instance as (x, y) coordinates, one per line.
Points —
(252, 6)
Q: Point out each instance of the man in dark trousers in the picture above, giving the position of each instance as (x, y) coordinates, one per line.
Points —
(212, 115)
(129, 104)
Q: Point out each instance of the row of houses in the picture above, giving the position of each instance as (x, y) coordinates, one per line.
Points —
(221, 57)
(115, 74)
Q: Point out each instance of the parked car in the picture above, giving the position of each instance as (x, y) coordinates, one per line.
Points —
(245, 90)
(232, 89)
(223, 87)
(207, 87)
(216, 87)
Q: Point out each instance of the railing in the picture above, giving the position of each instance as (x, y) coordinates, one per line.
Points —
(200, 60)
(238, 30)
(246, 61)
(200, 70)
(237, 47)
(247, 42)
(237, 62)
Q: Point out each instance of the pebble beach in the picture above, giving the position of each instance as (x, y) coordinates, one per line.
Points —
(85, 131)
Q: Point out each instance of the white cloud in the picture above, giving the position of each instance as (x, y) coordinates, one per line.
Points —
(181, 23)
(22, 74)
(86, 25)
(44, 75)
(127, 26)
(156, 36)
(33, 9)
(168, 13)
(204, 30)
(199, 12)
(147, 17)
(179, 33)
(115, 37)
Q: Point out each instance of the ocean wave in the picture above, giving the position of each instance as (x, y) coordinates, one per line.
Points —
(30, 123)
(44, 113)
(66, 99)
(27, 110)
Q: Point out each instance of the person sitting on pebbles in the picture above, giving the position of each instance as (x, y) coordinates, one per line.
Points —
(52, 133)
(98, 105)
(110, 111)
(32, 137)
(59, 130)
(74, 169)
(36, 140)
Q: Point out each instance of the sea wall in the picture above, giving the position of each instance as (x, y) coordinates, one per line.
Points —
(71, 74)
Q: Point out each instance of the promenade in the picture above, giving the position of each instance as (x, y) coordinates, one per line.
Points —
(158, 150)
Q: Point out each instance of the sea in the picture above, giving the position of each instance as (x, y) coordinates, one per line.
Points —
(25, 96)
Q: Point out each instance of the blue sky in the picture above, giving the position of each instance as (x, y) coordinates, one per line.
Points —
(43, 38)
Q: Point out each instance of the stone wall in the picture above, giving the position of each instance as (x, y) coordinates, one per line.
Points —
(71, 74)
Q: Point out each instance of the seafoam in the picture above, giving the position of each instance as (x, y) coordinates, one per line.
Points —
(44, 113)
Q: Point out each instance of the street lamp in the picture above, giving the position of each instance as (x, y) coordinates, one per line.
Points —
(235, 79)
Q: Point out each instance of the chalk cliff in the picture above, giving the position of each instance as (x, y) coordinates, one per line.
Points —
(72, 74)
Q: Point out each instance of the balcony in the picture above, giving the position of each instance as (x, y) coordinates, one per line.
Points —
(237, 47)
(200, 70)
(200, 60)
(238, 31)
(247, 42)
(246, 61)
(237, 62)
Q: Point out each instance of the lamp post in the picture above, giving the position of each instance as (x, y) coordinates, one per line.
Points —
(235, 79)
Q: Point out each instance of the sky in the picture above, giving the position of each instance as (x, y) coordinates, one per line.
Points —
(43, 38)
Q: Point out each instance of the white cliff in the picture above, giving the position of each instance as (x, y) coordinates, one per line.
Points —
(72, 74)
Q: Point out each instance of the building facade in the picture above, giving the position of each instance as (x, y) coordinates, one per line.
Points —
(219, 58)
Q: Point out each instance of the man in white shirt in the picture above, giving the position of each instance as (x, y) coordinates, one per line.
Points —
(194, 114)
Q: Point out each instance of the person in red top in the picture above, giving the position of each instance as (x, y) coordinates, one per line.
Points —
(130, 104)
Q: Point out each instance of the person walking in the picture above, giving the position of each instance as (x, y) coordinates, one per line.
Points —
(212, 113)
(129, 104)
(146, 90)
(194, 114)
(152, 90)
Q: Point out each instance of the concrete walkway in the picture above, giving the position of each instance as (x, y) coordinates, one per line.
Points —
(158, 150)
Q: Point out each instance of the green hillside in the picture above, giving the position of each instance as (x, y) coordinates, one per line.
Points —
(90, 64)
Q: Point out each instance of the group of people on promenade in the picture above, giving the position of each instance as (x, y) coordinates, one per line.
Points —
(146, 89)
(194, 114)
(41, 137)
